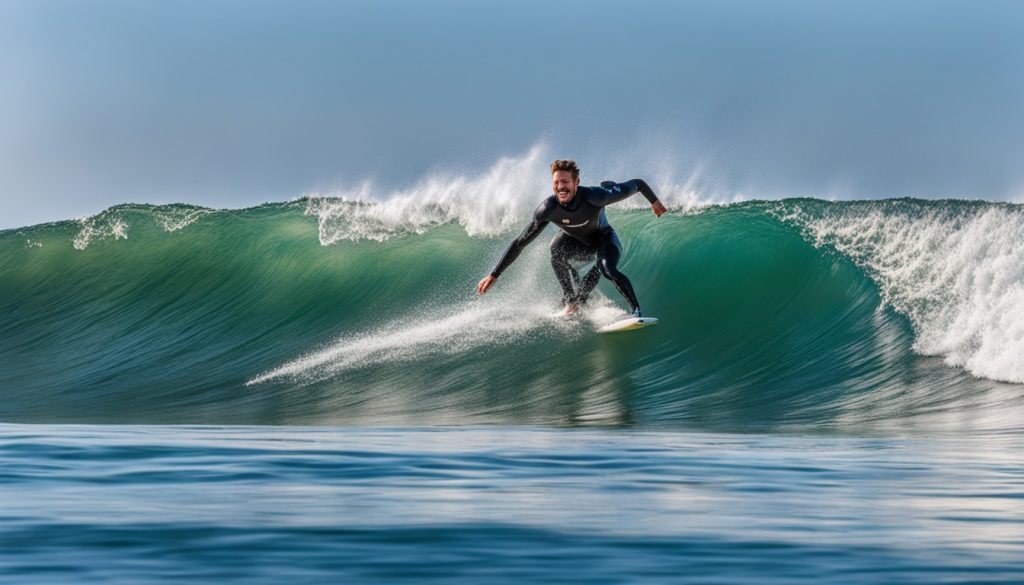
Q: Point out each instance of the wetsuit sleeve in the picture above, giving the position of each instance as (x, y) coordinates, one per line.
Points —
(540, 221)
(614, 192)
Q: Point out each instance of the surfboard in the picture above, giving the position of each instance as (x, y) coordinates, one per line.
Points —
(628, 324)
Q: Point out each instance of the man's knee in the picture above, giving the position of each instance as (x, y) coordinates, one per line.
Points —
(607, 270)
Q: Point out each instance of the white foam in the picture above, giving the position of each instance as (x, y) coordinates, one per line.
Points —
(176, 218)
(106, 225)
(956, 270)
(113, 223)
(499, 200)
(29, 242)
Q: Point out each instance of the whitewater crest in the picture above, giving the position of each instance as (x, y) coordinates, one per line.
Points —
(954, 268)
(497, 201)
(106, 225)
(178, 217)
(489, 204)
(115, 222)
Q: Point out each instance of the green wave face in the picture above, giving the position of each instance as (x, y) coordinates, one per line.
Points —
(789, 315)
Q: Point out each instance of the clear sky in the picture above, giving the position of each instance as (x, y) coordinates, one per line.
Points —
(232, 103)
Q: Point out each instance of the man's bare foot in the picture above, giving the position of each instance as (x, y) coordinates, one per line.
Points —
(569, 310)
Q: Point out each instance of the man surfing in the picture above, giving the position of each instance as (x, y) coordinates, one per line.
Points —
(586, 235)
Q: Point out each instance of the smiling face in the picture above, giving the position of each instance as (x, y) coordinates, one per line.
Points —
(564, 186)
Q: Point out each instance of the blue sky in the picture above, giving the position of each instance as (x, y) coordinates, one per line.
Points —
(232, 103)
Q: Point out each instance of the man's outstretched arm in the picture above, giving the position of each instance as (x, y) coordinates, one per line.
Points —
(514, 249)
(615, 192)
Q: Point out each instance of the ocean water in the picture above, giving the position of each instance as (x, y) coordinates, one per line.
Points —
(142, 504)
(311, 391)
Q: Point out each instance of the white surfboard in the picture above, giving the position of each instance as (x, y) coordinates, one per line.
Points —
(628, 324)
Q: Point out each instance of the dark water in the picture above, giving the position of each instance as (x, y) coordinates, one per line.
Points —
(833, 395)
(468, 505)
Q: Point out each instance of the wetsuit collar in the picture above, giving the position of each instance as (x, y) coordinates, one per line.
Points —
(573, 203)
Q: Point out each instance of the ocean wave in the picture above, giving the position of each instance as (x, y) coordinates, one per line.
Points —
(778, 314)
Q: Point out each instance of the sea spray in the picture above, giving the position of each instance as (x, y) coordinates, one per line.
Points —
(498, 200)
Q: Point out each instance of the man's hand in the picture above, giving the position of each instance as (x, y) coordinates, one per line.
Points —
(658, 208)
(485, 284)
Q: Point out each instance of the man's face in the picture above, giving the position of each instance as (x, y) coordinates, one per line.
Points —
(564, 186)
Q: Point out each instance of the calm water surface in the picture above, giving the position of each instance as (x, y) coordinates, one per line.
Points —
(144, 504)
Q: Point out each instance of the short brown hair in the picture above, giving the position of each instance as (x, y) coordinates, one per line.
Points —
(566, 165)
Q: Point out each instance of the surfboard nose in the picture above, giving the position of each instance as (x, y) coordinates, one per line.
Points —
(628, 324)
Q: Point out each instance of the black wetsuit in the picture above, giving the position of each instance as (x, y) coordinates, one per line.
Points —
(585, 234)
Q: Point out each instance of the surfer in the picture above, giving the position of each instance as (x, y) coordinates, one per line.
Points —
(586, 235)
